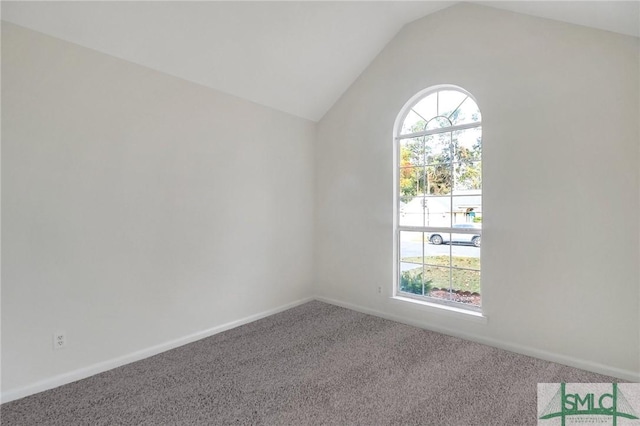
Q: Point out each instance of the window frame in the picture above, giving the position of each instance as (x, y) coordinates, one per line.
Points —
(397, 228)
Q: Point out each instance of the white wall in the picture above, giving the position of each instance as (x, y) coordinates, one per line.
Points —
(561, 143)
(138, 208)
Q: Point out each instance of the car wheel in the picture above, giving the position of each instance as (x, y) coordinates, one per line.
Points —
(476, 241)
(436, 239)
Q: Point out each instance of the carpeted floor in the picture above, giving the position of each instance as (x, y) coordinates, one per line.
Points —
(314, 364)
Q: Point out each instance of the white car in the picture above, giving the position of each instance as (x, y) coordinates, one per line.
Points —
(474, 239)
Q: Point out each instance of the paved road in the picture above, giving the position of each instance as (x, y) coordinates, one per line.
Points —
(414, 249)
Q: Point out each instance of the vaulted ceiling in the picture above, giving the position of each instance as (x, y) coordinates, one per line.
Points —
(297, 57)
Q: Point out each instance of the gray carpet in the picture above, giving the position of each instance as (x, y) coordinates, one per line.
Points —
(315, 364)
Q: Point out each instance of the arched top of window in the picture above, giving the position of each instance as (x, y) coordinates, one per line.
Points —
(439, 107)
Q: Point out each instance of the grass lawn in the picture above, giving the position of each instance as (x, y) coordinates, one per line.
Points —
(462, 279)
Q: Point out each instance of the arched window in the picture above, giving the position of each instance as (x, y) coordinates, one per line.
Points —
(438, 194)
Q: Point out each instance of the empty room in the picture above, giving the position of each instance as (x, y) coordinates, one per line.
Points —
(320, 213)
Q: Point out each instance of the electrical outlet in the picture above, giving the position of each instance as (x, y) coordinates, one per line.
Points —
(59, 340)
(379, 289)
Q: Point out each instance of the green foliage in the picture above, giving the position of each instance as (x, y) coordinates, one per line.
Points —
(465, 275)
(405, 198)
(447, 158)
(408, 175)
(411, 282)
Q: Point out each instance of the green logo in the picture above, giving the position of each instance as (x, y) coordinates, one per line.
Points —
(586, 402)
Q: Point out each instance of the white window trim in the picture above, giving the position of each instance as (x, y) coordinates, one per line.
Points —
(440, 130)
(438, 305)
(440, 308)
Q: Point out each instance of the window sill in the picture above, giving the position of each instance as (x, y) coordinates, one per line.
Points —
(465, 314)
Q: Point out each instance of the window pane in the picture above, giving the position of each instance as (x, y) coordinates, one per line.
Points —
(468, 112)
(438, 148)
(464, 254)
(462, 290)
(436, 278)
(437, 255)
(411, 181)
(439, 180)
(413, 212)
(464, 280)
(440, 293)
(467, 178)
(427, 107)
(449, 101)
(412, 246)
(418, 269)
(411, 251)
(412, 152)
(467, 208)
(465, 286)
(437, 211)
(412, 123)
(438, 123)
(467, 144)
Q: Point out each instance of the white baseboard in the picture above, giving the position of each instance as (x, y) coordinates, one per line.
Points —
(91, 370)
(83, 373)
(523, 350)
